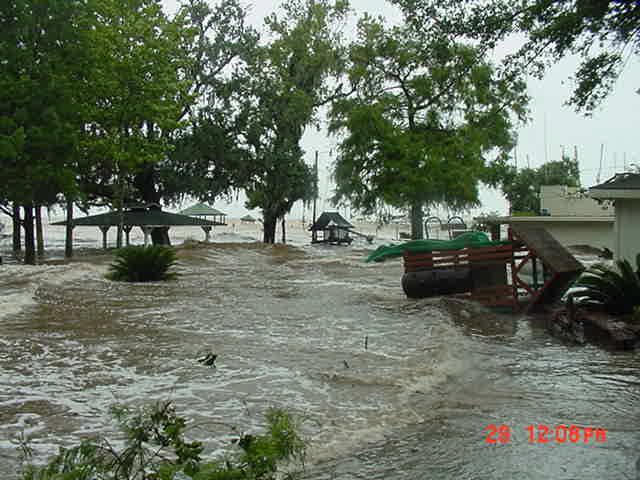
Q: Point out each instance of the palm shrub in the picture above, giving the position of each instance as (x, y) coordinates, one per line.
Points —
(617, 291)
(143, 264)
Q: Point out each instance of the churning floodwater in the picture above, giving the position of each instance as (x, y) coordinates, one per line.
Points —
(390, 388)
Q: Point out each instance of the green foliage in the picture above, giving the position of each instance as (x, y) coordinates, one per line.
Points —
(155, 448)
(617, 291)
(143, 264)
(603, 32)
(289, 82)
(426, 114)
(207, 159)
(522, 187)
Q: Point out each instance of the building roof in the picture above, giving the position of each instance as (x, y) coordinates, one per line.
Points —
(202, 210)
(551, 219)
(621, 185)
(328, 220)
(141, 218)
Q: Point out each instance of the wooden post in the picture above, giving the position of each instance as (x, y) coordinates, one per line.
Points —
(29, 243)
(17, 225)
(39, 234)
(207, 232)
(127, 231)
(104, 229)
(284, 230)
(147, 232)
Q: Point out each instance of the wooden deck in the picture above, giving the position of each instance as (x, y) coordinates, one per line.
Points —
(553, 267)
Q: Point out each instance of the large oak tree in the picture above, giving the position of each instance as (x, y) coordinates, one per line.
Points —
(291, 79)
(428, 115)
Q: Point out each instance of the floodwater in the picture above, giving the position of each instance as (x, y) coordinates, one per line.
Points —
(390, 388)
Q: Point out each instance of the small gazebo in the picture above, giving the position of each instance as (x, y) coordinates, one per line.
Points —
(202, 210)
(145, 216)
(334, 229)
(624, 190)
(248, 219)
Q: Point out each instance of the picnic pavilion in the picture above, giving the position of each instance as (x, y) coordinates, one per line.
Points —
(146, 216)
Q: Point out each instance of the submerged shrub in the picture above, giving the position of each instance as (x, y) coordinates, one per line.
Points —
(155, 448)
(142, 264)
(617, 291)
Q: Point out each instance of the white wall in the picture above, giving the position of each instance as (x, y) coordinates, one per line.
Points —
(560, 200)
(597, 234)
(627, 229)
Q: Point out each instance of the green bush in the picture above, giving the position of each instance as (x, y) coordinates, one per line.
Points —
(155, 449)
(142, 264)
(617, 291)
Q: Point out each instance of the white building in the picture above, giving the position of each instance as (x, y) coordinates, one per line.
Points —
(624, 190)
(572, 217)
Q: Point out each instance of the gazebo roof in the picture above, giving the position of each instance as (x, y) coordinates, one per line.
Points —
(203, 210)
(621, 185)
(142, 218)
(328, 220)
(248, 218)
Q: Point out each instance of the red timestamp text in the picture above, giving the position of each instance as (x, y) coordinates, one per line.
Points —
(545, 434)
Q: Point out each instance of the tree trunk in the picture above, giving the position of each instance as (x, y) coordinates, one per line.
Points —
(269, 226)
(417, 226)
(29, 240)
(284, 230)
(39, 233)
(160, 236)
(68, 238)
(17, 225)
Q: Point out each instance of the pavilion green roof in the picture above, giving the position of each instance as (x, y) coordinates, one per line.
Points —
(202, 209)
(141, 218)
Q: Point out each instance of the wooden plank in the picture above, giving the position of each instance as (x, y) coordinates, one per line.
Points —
(547, 248)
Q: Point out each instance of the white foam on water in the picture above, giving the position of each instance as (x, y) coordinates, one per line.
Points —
(14, 303)
(21, 282)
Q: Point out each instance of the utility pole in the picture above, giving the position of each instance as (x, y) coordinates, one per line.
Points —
(315, 197)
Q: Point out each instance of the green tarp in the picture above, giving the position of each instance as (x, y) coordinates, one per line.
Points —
(469, 239)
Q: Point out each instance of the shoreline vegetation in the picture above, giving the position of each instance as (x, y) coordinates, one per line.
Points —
(153, 445)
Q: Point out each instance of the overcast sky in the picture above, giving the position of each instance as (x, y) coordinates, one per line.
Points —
(553, 126)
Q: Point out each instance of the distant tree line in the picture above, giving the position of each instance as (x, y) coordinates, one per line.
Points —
(106, 102)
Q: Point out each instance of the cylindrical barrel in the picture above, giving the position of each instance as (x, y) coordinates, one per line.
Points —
(436, 281)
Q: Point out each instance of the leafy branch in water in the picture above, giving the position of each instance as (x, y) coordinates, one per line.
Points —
(155, 448)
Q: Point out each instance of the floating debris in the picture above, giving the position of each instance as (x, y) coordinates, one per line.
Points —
(209, 360)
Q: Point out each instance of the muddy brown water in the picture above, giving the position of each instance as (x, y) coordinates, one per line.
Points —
(289, 326)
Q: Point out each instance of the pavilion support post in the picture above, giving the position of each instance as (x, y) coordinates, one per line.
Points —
(104, 229)
(17, 225)
(37, 210)
(207, 232)
(127, 231)
(147, 232)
